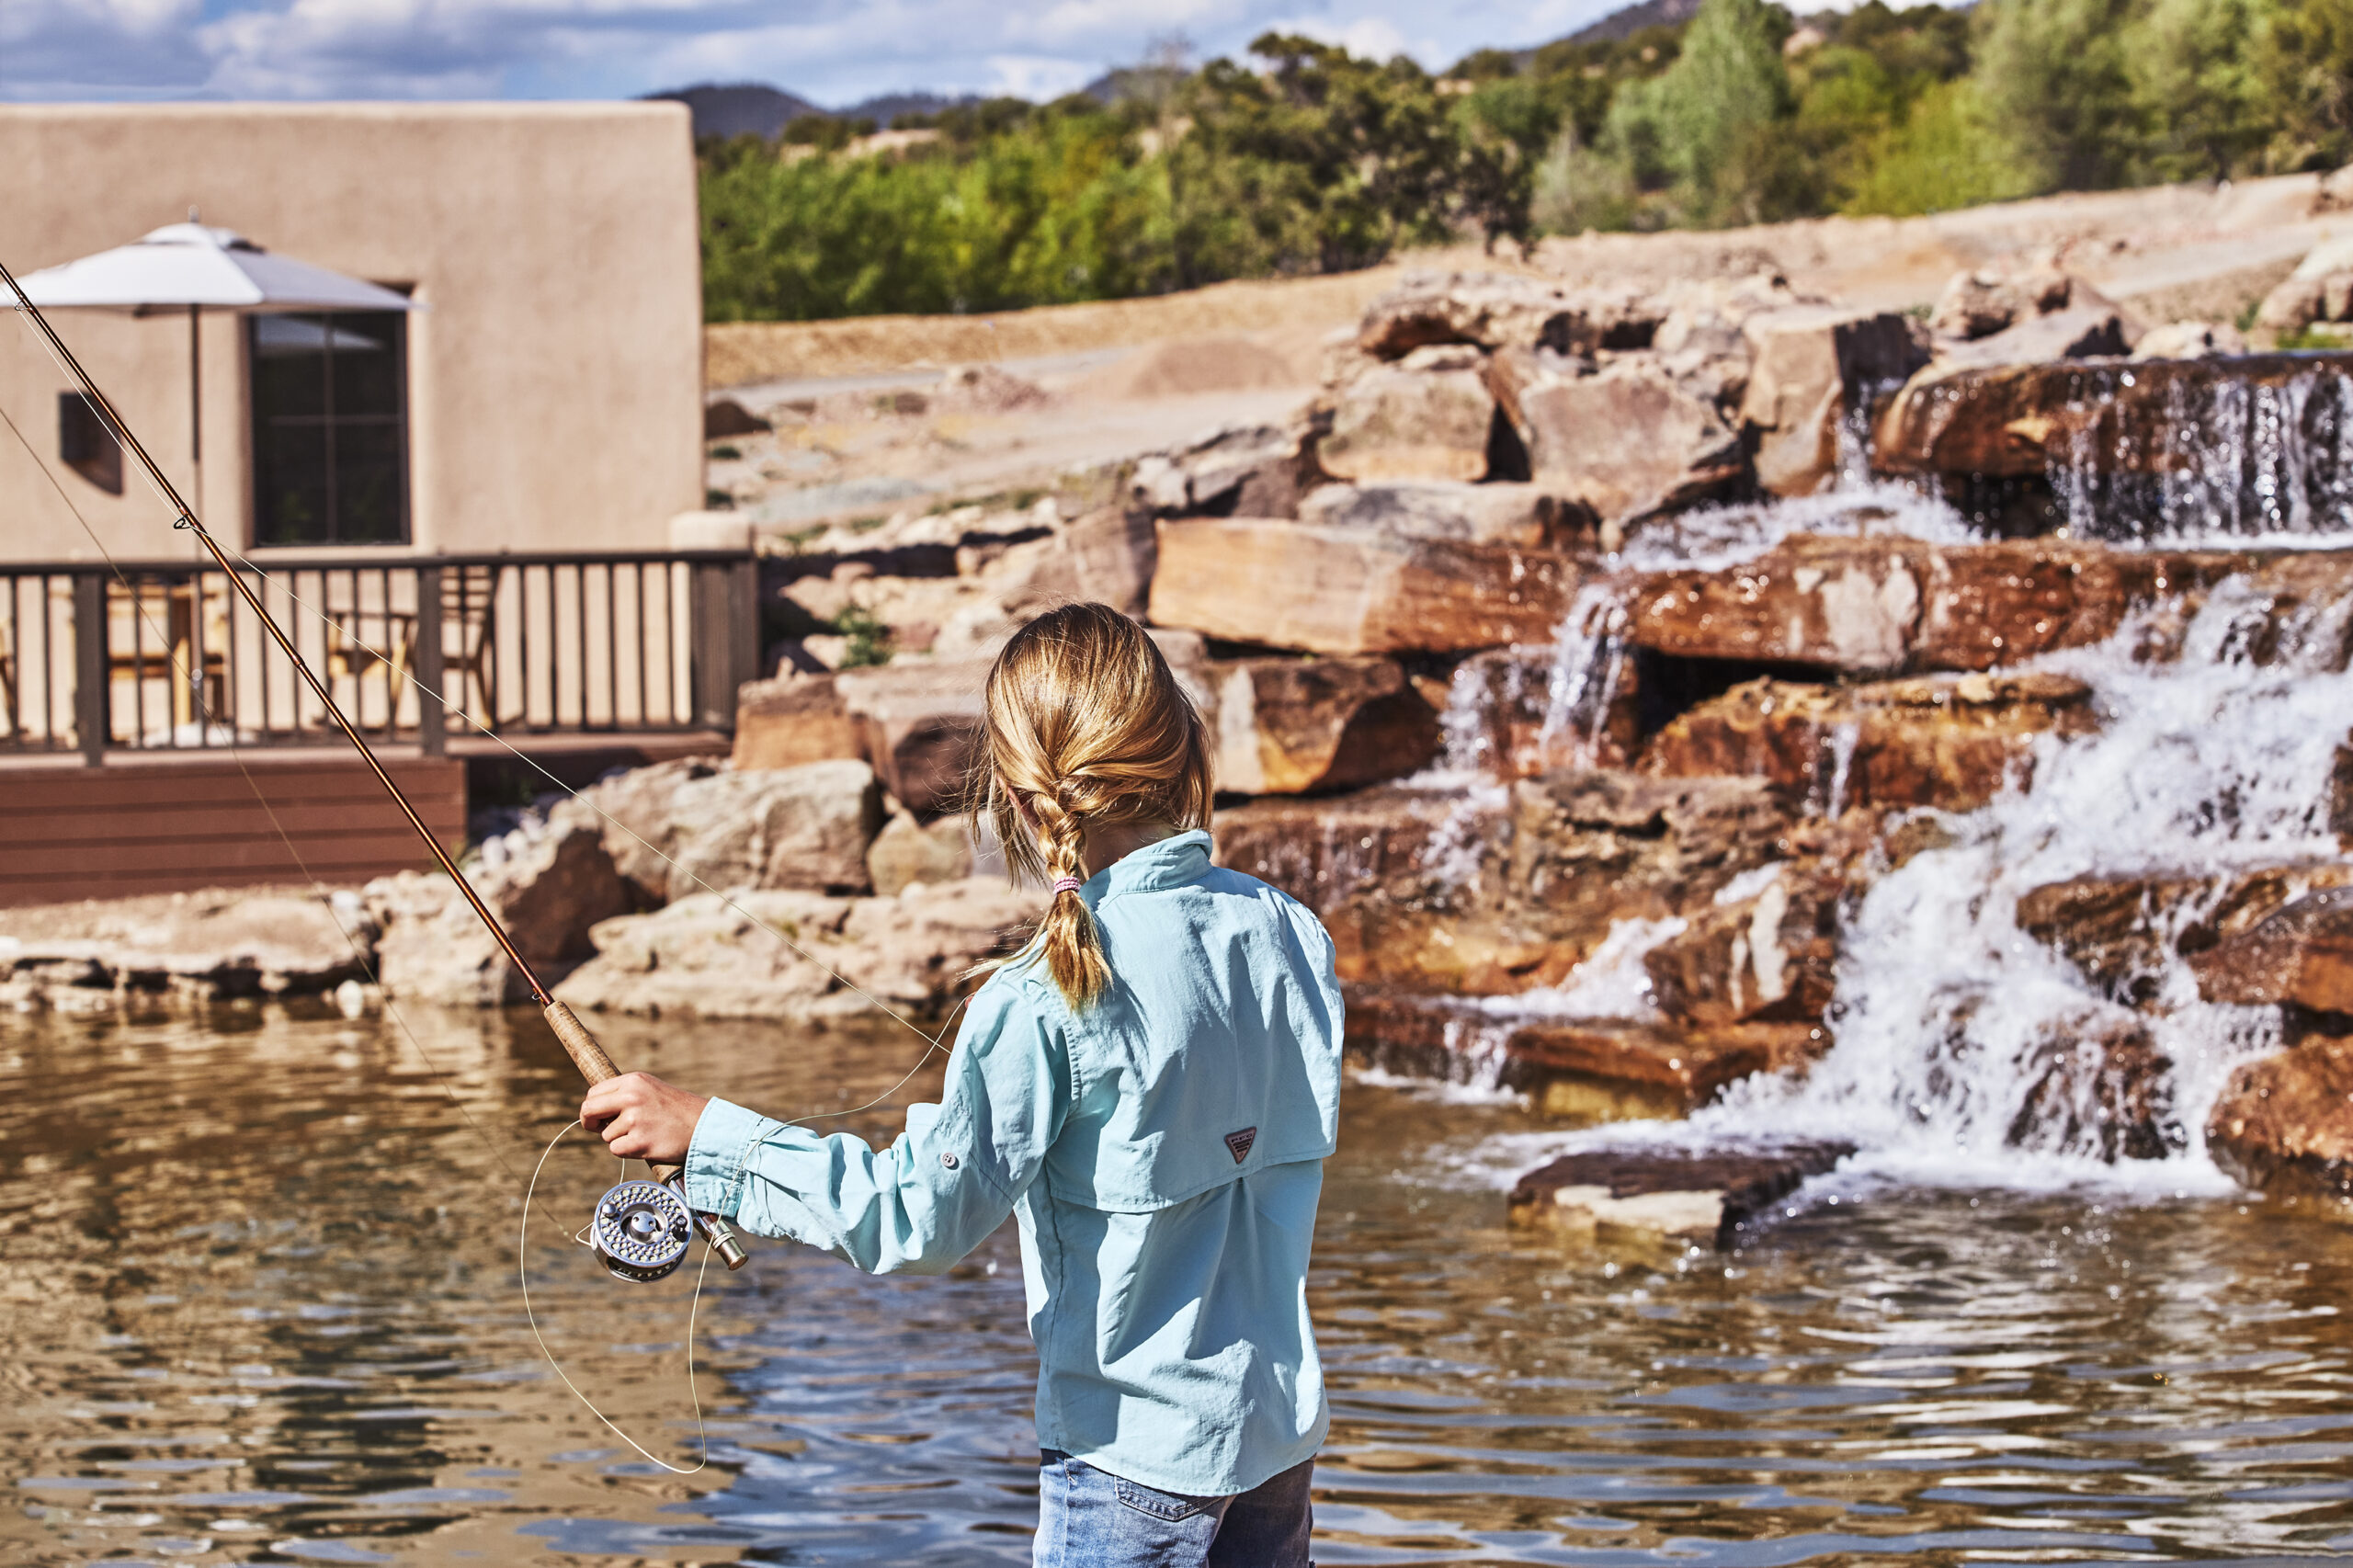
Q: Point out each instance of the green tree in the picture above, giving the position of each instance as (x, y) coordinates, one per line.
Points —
(2053, 74)
(2303, 53)
(1708, 133)
(2196, 88)
(1948, 152)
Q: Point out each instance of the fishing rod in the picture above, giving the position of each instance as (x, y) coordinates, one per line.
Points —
(642, 1229)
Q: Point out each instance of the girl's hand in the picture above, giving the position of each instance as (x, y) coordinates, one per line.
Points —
(642, 1118)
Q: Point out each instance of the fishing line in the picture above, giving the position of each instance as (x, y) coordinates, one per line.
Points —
(694, 1307)
(931, 1042)
(318, 887)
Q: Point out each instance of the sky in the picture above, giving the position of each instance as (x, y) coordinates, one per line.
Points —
(834, 51)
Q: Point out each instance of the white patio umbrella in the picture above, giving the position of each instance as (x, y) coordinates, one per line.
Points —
(188, 265)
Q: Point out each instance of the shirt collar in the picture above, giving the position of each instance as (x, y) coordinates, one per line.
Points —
(1165, 863)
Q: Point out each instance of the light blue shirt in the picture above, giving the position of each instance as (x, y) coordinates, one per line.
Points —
(1163, 1151)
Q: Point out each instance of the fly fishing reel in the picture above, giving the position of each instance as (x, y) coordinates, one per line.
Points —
(642, 1231)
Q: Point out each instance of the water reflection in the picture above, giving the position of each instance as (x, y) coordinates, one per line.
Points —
(262, 1308)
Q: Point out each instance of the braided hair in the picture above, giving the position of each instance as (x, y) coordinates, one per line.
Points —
(1087, 728)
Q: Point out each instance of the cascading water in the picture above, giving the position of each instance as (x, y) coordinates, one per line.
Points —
(1968, 1052)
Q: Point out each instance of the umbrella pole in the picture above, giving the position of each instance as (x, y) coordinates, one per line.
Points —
(196, 407)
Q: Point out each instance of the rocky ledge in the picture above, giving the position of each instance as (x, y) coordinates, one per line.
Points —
(1716, 1198)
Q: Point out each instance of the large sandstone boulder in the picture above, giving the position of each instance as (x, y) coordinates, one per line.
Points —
(1526, 516)
(1767, 957)
(2285, 1122)
(1812, 367)
(792, 720)
(2190, 340)
(1626, 440)
(1713, 1199)
(1337, 589)
(2301, 956)
(1582, 1072)
(214, 945)
(922, 726)
(1497, 890)
(780, 954)
(1255, 469)
(2320, 288)
(1951, 741)
(2124, 931)
(1887, 604)
(907, 851)
(1496, 310)
(1430, 416)
(2014, 314)
(1301, 726)
(681, 828)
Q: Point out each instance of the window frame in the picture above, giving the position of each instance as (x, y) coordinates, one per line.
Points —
(258, 424)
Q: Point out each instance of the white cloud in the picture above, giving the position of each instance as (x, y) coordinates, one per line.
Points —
(832, 51)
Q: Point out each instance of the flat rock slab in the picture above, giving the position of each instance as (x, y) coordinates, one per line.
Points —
(1951, 741)
(215, 945)
(2301, 956)
(1342, 589)
(2285, 1122)
(1711, 1198)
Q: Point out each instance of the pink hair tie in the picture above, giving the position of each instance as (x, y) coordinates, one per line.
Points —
(1066, 884)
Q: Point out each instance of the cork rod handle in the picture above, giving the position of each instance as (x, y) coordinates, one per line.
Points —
(597, 1067)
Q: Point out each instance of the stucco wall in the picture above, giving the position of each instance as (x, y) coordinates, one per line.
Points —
(554, 382)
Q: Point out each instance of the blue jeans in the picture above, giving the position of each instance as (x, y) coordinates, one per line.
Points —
(1091, 1518)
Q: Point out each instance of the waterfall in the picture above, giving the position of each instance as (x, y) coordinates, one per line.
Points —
(1964, 1046)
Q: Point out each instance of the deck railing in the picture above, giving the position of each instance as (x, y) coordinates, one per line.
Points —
(159, 656)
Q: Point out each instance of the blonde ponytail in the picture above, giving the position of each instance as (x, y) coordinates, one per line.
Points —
(1087, 728)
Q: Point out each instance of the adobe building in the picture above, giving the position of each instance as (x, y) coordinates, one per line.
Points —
(463, 509)
(549, 391)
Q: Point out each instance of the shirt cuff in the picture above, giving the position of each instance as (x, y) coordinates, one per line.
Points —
(717, 1156)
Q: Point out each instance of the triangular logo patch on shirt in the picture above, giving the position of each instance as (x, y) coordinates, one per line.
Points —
(1240, 1143)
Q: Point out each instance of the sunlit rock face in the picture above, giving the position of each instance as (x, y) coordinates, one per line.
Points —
(2113, 449)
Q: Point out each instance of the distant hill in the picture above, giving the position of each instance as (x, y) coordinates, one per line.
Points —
(755, 109)
(739, 108)
(1625, 22)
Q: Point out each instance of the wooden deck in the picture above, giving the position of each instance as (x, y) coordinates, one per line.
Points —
(175, 822)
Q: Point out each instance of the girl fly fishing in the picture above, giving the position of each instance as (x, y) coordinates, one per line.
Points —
(1150, 1088)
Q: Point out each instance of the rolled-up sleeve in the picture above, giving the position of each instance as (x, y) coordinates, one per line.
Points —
(952, 1177)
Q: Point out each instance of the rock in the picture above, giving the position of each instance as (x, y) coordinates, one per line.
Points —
(1517, 712)
(1979, 304)
(2190, 340)
(1347, 590)
(906, 851)
(2336, 192)
(1626, 440)
(1104, 557)
(1767, 958)
(183, 948)
(679, 827)
(1583, 1072)
(435, 948)
(1500, 310)
(921, 725)
(1713, 1199)
(1301, 726)
(2022, 308)
(701, 958)
(548, 885)
(2285, 1122)
(2302, 297)
(1951, 741)
(2124, 446)
(1879, 604)
(1324, 852)
(1252, 470)
(1811, 368)
(2124, 932)
(2079, 332)
(723, 417)
(2102, 1087)
(792, 720)
(1428, 417)
(2301, 956)
(1526, 516)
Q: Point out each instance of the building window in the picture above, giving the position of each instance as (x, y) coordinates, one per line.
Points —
(85, 445)
(330, 427)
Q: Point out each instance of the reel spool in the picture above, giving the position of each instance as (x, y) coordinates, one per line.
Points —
(642, 1231)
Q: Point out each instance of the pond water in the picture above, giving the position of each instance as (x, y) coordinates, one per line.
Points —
(261, 1306)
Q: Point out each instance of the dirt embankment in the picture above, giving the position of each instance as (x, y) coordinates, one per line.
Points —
(2172, 251)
